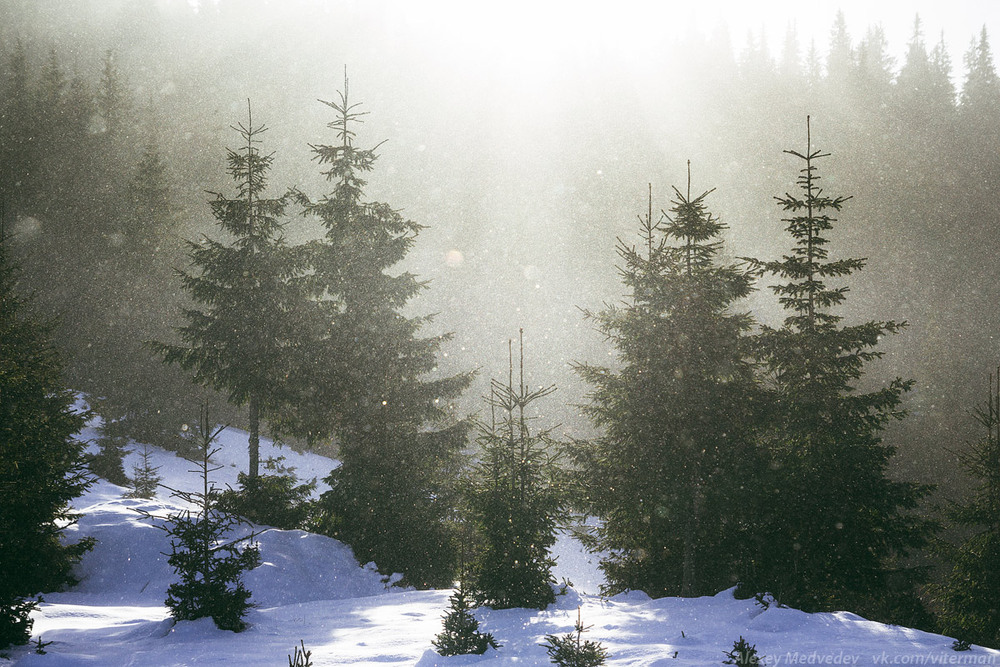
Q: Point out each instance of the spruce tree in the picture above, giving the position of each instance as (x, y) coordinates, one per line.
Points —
(980, 98)
(363, 377)
(138, 292)
(273, 498)
(206, 556)
(238, 341)
(843, 527)
(111, 449)
(113, 102)
(572, 650)
(677, 412)
(43, 464)
(145, 479)
(461, 635)
(970, 595)
(514, 501)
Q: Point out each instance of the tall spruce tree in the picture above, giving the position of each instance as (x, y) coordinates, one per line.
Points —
(970, 595)
(980, 96)
(239, 340)
(836, 529)
(43, 465)
(364, 377)
(676, 412)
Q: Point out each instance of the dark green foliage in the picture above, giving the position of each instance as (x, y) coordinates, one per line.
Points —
(270, 499)
(461, 634)
(844, 528)
(301, 657)
(514, 502)
(571, 650)
(96, 232)
(43, 465)
(362, 378)
(204, 553)
(394, 506)
(669, 477)
(239, 340)
(107, 463)
(15, 619)
(970, 594)
(145, 481)
(743, 654)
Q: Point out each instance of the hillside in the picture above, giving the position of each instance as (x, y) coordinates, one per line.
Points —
(310, 588)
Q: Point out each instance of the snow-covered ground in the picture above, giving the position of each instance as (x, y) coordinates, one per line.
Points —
(310, 588)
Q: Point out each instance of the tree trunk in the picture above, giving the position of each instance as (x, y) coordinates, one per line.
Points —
(254, 438)
(688, 569)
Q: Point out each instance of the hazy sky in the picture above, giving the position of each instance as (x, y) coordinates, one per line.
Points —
(536, 31)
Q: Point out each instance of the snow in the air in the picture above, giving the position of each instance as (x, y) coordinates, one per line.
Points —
(310, 588)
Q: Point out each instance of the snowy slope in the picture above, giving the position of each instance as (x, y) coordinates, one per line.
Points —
(310, 588)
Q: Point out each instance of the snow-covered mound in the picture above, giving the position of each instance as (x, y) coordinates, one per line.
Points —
(128, 565)
(310, 588)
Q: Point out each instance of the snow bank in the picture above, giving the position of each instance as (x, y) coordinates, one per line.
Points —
(310, 588)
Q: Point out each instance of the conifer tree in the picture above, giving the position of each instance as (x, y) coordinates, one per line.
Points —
(981, 90)
(514, 501)
(843, 526)
(113, 102)
(112, 448)
(676, 413)
(874, 68)
(42, 464)
(145, 479)
(136, 292)
(942, 88)
(572, 650)
(924, 93)
(206, 556)
(238, 341)
(363, 377)
(840, 58)
(461, 635)
(912, 84)
(970, 595)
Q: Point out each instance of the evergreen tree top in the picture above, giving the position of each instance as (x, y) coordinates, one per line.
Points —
(981, 90)
(694, 226)
(680, 267)
(806, 294)
(250, 217)
(344, 161)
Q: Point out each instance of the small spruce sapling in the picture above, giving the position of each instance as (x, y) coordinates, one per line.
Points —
(514, 502)
(461, 633)
(301, 658)
(571, 650)
(40, 646)
(144, 478)
(208, 561)
(743, 654)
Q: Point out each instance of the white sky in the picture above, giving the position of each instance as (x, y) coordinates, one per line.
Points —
(542, 28)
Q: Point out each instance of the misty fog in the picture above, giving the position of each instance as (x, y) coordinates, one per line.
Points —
(524, 135)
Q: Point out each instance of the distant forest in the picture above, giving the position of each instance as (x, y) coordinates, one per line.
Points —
(114, 118)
